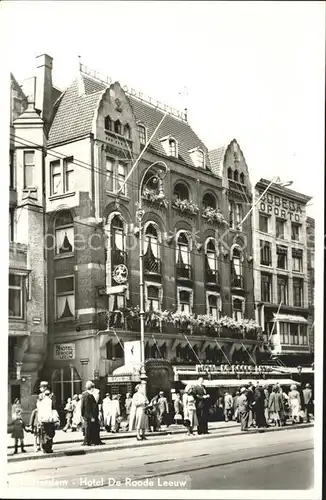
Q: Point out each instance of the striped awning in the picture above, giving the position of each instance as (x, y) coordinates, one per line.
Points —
(289, 318)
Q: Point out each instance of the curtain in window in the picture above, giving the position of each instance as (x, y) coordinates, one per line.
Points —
(61, 303)
(118, 240)
(64, 240)
(236, 263)
(211, 260)
(183, 255)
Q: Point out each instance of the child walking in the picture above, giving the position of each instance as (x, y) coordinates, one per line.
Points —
(18, 432)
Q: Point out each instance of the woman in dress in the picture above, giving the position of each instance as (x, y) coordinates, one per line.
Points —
(275, 405)
(189, 411)
(138, 417)
(16, 408)
(294, 403)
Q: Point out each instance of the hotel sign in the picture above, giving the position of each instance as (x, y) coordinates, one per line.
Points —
(64, 351)
(281, 207)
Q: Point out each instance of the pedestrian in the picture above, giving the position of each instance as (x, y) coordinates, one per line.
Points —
(163, 409)
(69, 409)
(251, 404)
(178, 409)
(266, 401)
(105, 410)
(243, 407)
(154, 423)
(307, 400)
(201, 399)
(189, 411)
(48, 420)
(18, 427)
(16, 407)
(294, 403)
(285, 411)
(76, 416)
(228, 405)
(113, 414)
(259, 398)
(89, 413)
(236, 415)
(138, 417)
(276, 406)
(128, 403)
(34, 428)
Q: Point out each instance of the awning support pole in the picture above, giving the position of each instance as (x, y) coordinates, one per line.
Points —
(227, 359)
(122, 347)
(252, 359)
(192, 349)
(278, 311)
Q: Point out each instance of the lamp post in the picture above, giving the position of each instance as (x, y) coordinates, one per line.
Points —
(157, 178)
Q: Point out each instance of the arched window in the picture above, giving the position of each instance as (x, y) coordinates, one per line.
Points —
(183, 256)
(66, 382)
(209, 200)
(172, 147)
(64, 233)
(117, 127)
(230, 173)
(107, 123)
(142, 134)
(127, 131)
(242, 177)
(236, 268)
(181, 191)
(151, 249)
(236, 175)
(118, 241)
(211, 262)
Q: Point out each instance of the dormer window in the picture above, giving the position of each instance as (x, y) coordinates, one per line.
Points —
(142, 134)
(170, 146)
(197, 155)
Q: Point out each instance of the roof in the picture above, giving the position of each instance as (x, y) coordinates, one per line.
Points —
(74, 117)
(216, 157)
(283, 190)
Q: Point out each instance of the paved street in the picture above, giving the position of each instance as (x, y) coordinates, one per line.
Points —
(270, 460)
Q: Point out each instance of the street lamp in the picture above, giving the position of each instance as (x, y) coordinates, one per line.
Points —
(277, 181)
(157, 178)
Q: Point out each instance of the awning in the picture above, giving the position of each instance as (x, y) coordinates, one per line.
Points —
(127, 370)
(289, 318)
(238, 383)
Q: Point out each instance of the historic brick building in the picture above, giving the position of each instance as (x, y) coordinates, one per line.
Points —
(282, 272)
(310, 232)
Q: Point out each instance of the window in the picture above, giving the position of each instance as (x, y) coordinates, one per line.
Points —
(242, 178)
(64, 234)
(200, 159)
(236, 269)
(153, 298)
(213, 305)
(121, 177)
(238, 214)
(11, 169)
(209, 200)
(266, 287)
(184, 301)
(295, 231)
(265, 253)
(231, 214)
(65, 297)
(55, 169)
(183, 256)
(282, 256)
(118, 236)
(108, 123)
(117, 127)
(284, 333)
(109, 174)
(237, 309)
(181, 191)
(127, 131)
(12, 224)
(172, 147)
(303, 338)
(142, 134)
(280, 228)
(151, 250)
(211, 263)
(282, 289)
(117, 302)
(29, 165)
(230, 173)
(297, 292)
(297, 260)
(16, 296)
(62, 169)
(236, 176)
(294, 333)
(68, 169)
(65, 383)
(263, 223)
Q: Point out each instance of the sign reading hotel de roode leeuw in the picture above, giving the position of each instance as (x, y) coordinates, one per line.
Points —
(233, 368)
(64, 351)
(281, 207)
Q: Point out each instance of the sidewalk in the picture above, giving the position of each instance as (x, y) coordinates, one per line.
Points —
(119, 442)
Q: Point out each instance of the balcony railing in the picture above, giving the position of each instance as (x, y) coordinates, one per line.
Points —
(152, 265)
(237, 282)
(119, 257)
(212, 276)
(184, 271)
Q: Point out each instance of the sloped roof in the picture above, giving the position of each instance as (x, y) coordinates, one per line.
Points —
(216, 157)
(75, 113)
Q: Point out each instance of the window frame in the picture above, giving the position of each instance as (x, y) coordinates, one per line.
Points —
(142, 133)
(68, 167)
(22, 301)
(260, 218)
(191, 298)
(265, 250)
(63, 227)
(64, 294)
(242, 300)
(297, 226)
(297, 281)
(270, 287)
(31, 166)
(280, 254)
(218, 303)
(115, 178)
(62, 163)
(281, 222)
(12, 224)
(148, 299)
(286, 289)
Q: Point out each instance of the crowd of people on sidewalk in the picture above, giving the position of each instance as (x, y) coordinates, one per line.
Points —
(251, 406)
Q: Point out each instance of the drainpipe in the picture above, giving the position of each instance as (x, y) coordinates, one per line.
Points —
(92, 175)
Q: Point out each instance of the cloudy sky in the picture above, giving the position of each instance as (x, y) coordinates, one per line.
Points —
(253, 71)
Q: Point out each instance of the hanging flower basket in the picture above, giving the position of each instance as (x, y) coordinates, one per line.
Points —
(185, 206)
(153, 196)
(213, 215)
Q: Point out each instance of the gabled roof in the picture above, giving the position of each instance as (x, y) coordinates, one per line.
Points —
(74, 117)
(216, 157)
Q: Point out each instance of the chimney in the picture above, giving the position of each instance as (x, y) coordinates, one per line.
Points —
(43, 97)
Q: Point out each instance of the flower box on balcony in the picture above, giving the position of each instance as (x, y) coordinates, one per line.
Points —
(185, 206)
(213, 216)
(155, 197)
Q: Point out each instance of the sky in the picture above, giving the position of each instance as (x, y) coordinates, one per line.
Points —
(253, 71)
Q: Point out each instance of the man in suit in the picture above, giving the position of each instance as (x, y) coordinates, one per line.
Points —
(90, 415)
(163, 409)
(201, 398)
(243, 409)
(307, 400)
(251, 404)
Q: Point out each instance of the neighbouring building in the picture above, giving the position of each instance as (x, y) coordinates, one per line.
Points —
(310, 232)
(282, 272)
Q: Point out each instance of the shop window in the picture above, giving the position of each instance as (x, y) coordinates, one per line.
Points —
(65, 297)
(66, 382)
(64, 233)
